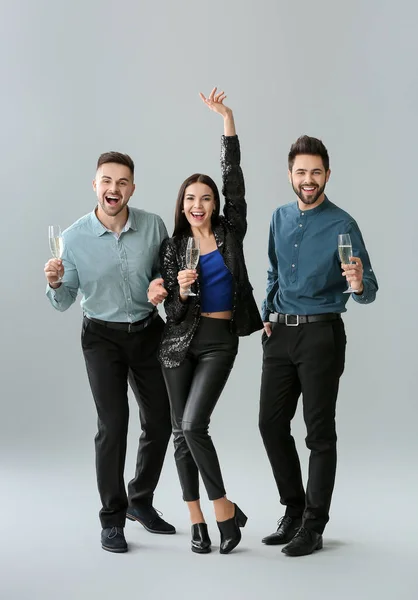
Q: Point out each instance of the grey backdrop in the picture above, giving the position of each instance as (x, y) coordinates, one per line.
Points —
(80, 78)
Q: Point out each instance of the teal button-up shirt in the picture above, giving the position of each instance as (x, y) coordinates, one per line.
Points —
(305, 276)
(112, 272)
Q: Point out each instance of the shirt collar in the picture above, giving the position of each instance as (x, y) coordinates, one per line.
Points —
(99, 229)
(316, 210)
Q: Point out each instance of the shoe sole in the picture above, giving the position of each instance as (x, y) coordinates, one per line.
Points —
(229, 549)
(205, 551)
(273, 543)
(318, 547)
(115, 550)
(131, 518)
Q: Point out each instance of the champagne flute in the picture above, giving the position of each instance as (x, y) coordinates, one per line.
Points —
(192, 259)
(56, 242)
(345, 250)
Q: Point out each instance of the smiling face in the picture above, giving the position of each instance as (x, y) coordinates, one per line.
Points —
(114, 186)
(198, 205)
(308, 178)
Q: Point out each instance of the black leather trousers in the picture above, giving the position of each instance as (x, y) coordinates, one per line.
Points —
(194, 388)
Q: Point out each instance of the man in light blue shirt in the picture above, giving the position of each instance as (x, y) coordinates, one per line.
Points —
(111, 256)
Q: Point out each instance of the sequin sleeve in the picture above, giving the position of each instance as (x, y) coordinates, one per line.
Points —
(233, 186)
(175, 309)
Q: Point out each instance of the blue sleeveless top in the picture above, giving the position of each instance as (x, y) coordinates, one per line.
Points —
(215, 283)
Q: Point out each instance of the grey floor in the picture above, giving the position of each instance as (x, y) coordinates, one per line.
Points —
(50, 545)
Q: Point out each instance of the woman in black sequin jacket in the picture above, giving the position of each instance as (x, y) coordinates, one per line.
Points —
(200, 339)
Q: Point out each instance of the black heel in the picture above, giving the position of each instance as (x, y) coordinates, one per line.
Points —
(230, 531)
(240, 517)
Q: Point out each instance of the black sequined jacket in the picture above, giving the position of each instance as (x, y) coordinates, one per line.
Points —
(183, 317)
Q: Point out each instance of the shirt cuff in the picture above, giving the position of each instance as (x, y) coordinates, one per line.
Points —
(56, 294)
(361, 298)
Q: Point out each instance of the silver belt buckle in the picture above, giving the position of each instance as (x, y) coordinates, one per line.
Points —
(291, 324)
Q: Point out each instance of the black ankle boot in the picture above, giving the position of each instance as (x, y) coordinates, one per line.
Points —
(230, 531)
(200, 539)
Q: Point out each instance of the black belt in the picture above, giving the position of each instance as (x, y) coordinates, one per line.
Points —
(129, 327)
(295, 320)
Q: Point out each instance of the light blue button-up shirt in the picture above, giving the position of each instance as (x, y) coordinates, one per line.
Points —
(112, 272)
(305, 276)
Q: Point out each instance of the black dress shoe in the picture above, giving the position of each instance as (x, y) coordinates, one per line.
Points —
(150, 519)
(230, 531)
(286, 530)
(305, 542)
(113, 539)
(200, 539)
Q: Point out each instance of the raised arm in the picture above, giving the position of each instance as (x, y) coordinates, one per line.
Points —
(233, 186)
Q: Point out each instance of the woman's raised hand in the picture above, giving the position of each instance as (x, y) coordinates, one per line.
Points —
(215, 102)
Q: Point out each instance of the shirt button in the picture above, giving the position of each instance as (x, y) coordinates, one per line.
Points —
(302, 214)
(300, 225)
(296, 245)
(293, 266)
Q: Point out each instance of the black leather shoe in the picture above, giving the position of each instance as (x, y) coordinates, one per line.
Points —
(150, 519)
(200, 539)
(113, 539)
(286, 530)
(230, 531)
(305, 542)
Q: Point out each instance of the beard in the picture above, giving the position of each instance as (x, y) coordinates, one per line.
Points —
(310, 199)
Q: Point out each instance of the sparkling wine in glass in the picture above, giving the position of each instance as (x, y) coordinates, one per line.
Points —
(345, 251)
(192, 259)
(56, 242)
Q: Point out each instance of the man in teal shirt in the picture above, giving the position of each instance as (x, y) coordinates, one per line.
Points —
(111, 256)
(304, 341)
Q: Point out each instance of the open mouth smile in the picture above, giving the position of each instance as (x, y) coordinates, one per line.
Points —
(199, 216)
(308, 189)
(112, 200)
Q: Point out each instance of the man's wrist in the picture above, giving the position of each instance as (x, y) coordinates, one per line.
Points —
(55, 286)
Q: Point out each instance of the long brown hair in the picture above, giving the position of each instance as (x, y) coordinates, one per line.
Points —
(181, 224)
